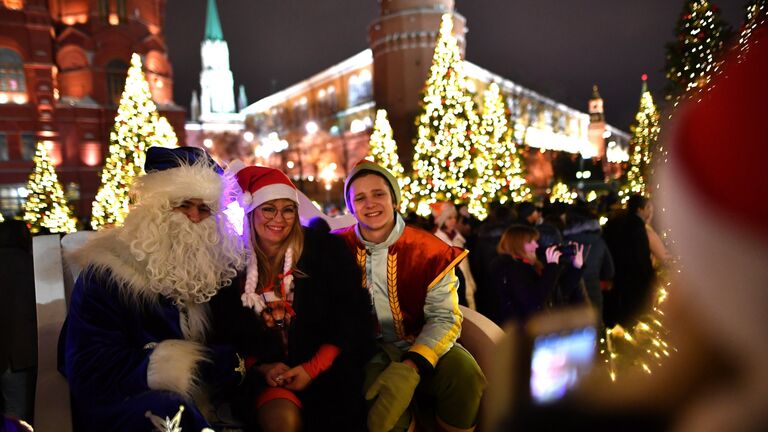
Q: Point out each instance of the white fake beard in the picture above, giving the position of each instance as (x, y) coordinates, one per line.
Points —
(185, 261)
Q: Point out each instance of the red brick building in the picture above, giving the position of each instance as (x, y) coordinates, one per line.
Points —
(62, 68)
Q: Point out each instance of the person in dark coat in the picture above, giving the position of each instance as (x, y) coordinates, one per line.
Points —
(523, 284)
(18, 322)
(483, 252)
(583, 227)
(136, 344)
(627, 241)
(299, 315)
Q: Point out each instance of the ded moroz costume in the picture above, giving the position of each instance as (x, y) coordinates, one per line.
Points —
(136, 343)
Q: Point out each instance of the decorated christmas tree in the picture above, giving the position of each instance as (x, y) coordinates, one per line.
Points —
(499, 170)
(645, 133)
(45, 207)
(695, 56)
(383, 150)
(447, 130)
(137, 127)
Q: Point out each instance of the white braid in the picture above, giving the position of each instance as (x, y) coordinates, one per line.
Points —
(249, 298)
(288, 279)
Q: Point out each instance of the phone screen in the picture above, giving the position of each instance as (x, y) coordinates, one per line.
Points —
(559, 360)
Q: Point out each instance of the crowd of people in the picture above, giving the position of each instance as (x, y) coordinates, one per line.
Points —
(286, 327)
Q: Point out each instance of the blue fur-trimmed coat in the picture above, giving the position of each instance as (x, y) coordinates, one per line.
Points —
(125, 353)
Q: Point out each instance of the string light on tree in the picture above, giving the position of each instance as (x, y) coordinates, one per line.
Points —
(137, 127)
(45, 207)
(383, 151)
(645, 133)
(755, 15)
(447, 127)
(694, 57)
(497, 162)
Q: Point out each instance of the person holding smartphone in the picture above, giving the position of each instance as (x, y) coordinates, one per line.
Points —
(524, 284)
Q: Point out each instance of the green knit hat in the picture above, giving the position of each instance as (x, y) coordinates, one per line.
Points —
(367, 167)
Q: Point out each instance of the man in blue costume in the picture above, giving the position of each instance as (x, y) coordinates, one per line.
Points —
(136, 346)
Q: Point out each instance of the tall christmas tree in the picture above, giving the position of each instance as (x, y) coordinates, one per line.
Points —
(383, 150)
(499, 170)
(645, 133)
(45, 207)
(447, 129)
(137, 127)
(694, 57)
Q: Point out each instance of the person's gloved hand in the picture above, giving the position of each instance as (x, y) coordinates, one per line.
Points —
(393, 391)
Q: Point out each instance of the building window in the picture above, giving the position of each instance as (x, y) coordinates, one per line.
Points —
(3, 147)
(360, 88)
(13, 85)
(28, 146)
(116, 70)
(12, 199)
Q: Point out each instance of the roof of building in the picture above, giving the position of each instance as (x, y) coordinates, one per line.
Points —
(212, 23)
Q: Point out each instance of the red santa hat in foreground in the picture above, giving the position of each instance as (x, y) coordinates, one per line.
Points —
(259, 185)
(714, 192)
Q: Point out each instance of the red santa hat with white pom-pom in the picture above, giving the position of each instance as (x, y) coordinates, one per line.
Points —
(260, 184)
(714, 196)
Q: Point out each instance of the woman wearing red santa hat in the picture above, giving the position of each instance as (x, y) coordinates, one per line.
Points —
(299, 313)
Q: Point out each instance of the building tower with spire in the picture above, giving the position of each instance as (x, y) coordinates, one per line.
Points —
(217, 94)
(403, 42)
(596, 129)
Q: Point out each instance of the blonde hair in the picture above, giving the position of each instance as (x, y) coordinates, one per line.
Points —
(513, 242)
(269, 269)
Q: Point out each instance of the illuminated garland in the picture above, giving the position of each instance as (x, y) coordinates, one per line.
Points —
(645, 133)
(383, 151)
(447, 131)
(137, 127)
(45, 207)
(643, 346)
(497, 162)
(756, 15)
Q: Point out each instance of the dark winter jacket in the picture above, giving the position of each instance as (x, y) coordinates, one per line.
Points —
(598, 263)
(521, 291)
(331, 308)
(18, 322)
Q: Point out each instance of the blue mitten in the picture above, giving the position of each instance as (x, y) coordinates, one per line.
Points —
(393, 390)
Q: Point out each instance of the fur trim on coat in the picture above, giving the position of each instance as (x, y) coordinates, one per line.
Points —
(173, 366)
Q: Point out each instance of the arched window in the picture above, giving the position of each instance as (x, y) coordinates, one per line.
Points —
(116, 72)
(13, 85)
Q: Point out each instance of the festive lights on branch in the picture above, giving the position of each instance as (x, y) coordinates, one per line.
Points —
(644, 345)
(137, 127)
(45, 207)
(447, 131)
(645, 134)
(496, 160)
(383, 151)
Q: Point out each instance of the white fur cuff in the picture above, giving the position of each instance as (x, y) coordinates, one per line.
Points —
(173, 366)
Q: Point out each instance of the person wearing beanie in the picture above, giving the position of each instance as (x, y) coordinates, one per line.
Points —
(136, 346)
(299, 315)
(410, 275)
(446, 218)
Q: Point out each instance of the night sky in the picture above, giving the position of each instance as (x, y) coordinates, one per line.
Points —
(559, 48)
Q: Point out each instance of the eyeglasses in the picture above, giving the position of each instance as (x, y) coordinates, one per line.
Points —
(269, 212)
